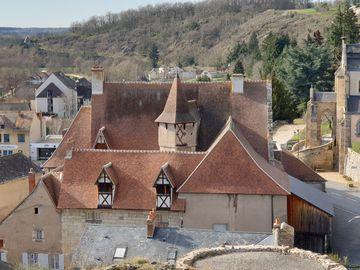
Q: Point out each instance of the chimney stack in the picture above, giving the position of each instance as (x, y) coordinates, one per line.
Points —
(237, 83)
(150, 222)
(31, 179)
(97, 80)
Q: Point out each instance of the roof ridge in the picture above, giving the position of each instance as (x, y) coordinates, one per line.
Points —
(136, 151)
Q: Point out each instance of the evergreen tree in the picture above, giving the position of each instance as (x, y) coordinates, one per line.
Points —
(236, 51)
(283, 102)
(344, 25)
(253, 46)
(154, 55)
(302, 67)
(239, 67)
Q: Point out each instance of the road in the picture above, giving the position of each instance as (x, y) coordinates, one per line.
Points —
(284, 133)
(346, 223)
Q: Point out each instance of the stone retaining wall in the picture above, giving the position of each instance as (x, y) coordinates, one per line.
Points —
(189, 259)
(321, 157)
(352, 165)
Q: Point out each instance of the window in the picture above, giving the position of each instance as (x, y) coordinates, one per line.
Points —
(93, 217)
(38, 235)
(357, 132)
(36, 210)
(54, 261)
(21, 138)
(163, 192)
(33, 259)
(45, 153)
(7, 152)
(6, 138)
(105, 191)
(50, 101)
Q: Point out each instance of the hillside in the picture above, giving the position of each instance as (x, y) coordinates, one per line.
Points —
(185, 34)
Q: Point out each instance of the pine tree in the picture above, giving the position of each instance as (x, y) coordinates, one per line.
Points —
(239, 67)
(154, 55)
(236, 51)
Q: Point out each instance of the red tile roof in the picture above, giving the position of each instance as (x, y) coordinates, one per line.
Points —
(78, 135)
(296, 168)
(233, 167)
(135, 172)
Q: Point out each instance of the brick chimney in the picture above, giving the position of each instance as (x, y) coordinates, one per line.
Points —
(31, 178)
(150, 222)
(97, 80)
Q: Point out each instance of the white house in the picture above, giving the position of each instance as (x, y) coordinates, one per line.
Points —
(61, 95)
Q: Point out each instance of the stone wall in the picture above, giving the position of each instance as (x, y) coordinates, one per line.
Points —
(352, 165)
(74, 222)
(321, 157)
(188, 260)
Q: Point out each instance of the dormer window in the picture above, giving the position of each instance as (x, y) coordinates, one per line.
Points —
(100, 142)
(105, 191)
(164, 188)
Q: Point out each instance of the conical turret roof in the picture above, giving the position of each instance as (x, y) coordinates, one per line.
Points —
(176, 110)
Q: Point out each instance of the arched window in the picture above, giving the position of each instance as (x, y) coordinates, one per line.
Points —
(357, 132)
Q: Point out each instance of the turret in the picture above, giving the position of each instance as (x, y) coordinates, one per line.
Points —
(179, 121)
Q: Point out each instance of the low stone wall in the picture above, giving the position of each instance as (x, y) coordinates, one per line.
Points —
(321, 157)
(352, 165)
(189, 259)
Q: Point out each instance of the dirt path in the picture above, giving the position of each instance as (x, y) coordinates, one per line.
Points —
(284, 133)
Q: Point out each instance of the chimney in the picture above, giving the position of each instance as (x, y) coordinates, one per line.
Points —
(97, 80)
(150, 222)
(343, 53)
(31, 178)
(237, 83)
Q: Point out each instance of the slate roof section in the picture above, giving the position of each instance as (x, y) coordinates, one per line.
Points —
(231, 166)
(296, 168)
(14, 106)
(99, 242)
(78, 135)
(176, 110)
(353, 57)
(325, 96)
(16, 166)
(134, 171)
(128, 111)
(70, 83)
(312, 195)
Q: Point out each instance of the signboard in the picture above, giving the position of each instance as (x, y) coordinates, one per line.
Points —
(8, 147)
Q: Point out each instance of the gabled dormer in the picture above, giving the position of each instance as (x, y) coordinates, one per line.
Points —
(100, 141)
(164, 185)
(179, 121)
(106, 187)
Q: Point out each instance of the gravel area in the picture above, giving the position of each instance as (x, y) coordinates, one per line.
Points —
(257, 261)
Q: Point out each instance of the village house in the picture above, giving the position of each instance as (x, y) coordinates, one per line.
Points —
(199, 154)
(61, 95)
(14, 184)
(18, 129)
(31, 233)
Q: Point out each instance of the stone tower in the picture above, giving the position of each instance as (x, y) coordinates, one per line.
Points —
(179, 121)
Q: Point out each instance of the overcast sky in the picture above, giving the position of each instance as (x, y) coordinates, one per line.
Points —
(61, 13)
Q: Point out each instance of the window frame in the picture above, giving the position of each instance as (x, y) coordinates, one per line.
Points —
(6, 137)
(33, 259)
(21, 135)
(164, 192)
(105, 190)
(54, 260)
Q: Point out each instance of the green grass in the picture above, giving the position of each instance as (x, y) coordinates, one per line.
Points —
(356, 147)
(307, 11)
(325, 128)
(299, 136)
(299, 121)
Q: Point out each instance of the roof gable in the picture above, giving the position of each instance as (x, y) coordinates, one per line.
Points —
(166, 170)
(233, 167)
(56, 92)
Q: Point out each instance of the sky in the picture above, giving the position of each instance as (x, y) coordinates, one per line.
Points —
(61, 13)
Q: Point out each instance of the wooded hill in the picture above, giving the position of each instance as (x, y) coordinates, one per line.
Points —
(185, 34)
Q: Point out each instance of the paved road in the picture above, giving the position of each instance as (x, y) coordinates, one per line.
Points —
(346, 223)
(284, 133)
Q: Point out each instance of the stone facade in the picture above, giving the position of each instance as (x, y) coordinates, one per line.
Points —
(352, 165)
(321, 157)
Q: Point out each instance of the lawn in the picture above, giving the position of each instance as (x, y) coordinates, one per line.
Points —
(306, 11)
(356, 147)
(299, 136)
(325, 128)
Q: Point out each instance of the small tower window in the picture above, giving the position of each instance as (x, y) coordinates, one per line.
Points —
(357, 132)
(105, 191)
(163, 192)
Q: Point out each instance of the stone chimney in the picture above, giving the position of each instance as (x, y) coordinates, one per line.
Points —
(150, 222)
(283, 234)
(31, 178)
(237, 83)
(97, 80)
